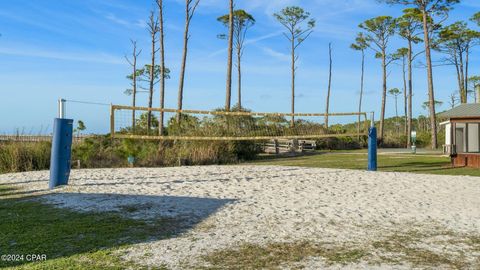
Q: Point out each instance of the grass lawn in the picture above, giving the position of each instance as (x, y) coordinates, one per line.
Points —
(419, 163)
(68, 239)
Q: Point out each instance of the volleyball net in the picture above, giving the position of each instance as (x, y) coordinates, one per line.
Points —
(169, 124)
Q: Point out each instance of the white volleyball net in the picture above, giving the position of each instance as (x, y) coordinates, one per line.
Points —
(169, 124)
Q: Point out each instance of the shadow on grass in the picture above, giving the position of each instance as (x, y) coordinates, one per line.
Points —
(30, 225)
(16, 192)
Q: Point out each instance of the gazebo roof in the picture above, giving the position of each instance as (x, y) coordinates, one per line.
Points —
(463, 111)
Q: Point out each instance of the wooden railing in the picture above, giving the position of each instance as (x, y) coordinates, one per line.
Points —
(449, 149)
(288, 146)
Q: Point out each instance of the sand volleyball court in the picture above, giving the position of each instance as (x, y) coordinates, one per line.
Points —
(227, 216)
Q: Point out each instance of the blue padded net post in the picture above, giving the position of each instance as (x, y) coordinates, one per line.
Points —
(372, 145)
(372, 149)
(61, 152)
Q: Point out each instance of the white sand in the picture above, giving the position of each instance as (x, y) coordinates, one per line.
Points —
(225, 206)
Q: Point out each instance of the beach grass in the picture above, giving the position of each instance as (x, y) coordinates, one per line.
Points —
(68, 239)
(357, 160)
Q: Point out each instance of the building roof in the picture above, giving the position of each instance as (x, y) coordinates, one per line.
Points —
(462, 111)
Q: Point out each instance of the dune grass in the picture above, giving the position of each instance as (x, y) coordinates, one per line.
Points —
(27, 156)
(69, 239)
(420, 163)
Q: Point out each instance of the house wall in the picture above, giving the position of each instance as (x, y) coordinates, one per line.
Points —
(467, 160)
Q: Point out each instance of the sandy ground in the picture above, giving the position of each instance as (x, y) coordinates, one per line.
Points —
(225, 206)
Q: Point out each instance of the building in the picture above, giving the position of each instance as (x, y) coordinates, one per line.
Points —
(462, 135)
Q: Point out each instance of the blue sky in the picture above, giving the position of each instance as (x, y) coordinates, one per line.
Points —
(74, 49)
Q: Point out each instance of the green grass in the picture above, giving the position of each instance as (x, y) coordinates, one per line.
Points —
(69, 239)
(417, 249)
(274, 255)
(357, 160)
(406, 246)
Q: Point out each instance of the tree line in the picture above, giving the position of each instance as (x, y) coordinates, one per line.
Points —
(422, 21)
(297, 22)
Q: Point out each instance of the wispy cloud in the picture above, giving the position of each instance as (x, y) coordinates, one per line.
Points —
(16, 19)
(261, 38)
(316, 7)
(278, 55)
(117, 20)
(113, 4)
(248, 42)
(173, 27)
(130, 24)
(98, 57)
(269, 7)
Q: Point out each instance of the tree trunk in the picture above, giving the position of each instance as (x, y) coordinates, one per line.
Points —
(239, 71)
(134, 94)
(361, 93)
(462, 76)
(327, 108)
(292, 123)
(230, 54)
(463, 96)
(162, 68)
(184, 61)
(396, 115)
(151, 82)
(466, 69)
(431, 93)
(384, 95)
(410, 95)
(405, 98)
(134, 103)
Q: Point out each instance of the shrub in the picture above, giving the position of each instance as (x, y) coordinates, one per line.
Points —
(18, 157)
(424, 139)
(104, 152)
(97, 152)
(340, 143)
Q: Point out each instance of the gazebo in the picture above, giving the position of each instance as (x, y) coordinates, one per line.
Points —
(462, 135)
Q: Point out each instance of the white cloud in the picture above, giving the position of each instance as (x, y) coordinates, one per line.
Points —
(116, 20)
(270, 7)
(98, 57)
(248, 42)
(264, 37)
(130, 24)
(316, 7)
(174, 27)
(140, 23)
(278, 55)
